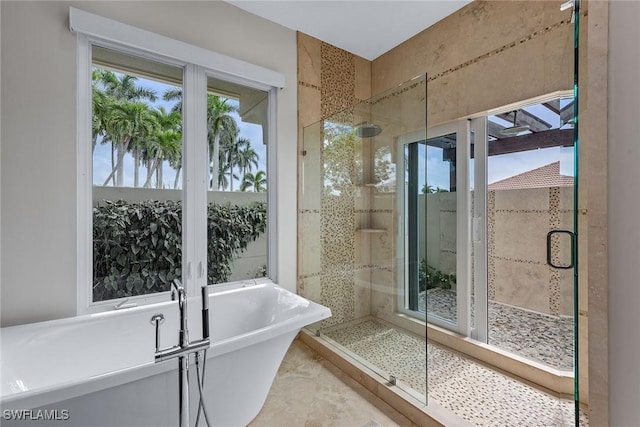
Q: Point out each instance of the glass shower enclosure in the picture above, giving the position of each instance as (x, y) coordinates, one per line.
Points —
(465, 230)
(363, 249)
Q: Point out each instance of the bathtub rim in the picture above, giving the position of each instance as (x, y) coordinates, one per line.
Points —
(61, 391)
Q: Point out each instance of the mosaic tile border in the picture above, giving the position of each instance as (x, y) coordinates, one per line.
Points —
(367, 211)
(523, 261)
(538, 211)
(491, 244)
(338, 219)
(501, 49)
(554, 274)
(337, 80)
(309, 85)
(349, 269)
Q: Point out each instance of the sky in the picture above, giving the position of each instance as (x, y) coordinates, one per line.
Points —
(506, 165)
(102, 153)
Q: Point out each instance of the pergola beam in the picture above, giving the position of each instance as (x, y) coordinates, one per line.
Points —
(536, 124)
(532, 141)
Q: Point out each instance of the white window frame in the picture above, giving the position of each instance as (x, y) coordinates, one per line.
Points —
(198, 64)
(463, 223)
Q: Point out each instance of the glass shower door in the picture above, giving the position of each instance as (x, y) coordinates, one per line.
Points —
(531, 239)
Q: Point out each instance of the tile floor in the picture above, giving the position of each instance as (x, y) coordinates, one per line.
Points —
(536, 336)
(472, 391)
(309, 391)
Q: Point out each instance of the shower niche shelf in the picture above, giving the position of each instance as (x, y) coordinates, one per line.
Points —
(371, 230)
(376, 185)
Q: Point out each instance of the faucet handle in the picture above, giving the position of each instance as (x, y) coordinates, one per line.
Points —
(157, 320)
(176, 287)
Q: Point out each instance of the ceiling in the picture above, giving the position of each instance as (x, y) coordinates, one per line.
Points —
(363, 27)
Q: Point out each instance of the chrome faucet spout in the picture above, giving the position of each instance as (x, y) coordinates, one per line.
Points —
(183, 350)
(182, 306)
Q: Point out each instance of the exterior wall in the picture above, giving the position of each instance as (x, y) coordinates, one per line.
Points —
(518, 271)
(39, 135)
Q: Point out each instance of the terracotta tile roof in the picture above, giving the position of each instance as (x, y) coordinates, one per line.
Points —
(545, 176)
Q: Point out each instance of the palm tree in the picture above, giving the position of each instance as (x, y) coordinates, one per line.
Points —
(174, 95)
(164, 145)
(126, 122)
(231, 156)
(247, 157)
(166, 121)
(123, 87)
(101, 103)
(118, 89)
(176, 164)
(219, 123)
(258, 182)
(223, 181)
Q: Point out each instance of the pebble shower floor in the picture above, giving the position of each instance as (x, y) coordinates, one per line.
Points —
(472, 391)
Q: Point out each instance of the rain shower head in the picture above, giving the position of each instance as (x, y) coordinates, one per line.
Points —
(367, 130)
(515, 129)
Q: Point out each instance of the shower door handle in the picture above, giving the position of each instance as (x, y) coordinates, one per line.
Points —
(572, 236)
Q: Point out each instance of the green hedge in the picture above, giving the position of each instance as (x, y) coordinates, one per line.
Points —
(430, 277)
(137, 247)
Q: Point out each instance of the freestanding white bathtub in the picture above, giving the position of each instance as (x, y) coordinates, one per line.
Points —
(99, 370)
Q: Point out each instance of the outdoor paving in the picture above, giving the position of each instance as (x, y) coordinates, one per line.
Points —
(536, 336)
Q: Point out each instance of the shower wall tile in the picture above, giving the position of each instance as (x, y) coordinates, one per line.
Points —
(444, 96)
(382, 249)
(558, 59)
(486, 65)
(310, 241)
(337, 292)
(311, 289)
(487, 25)
(503, 79)
(362, 78)
(310, 170)
(309, 62)
(384, 201)
(337, 79)
(309, 101)
(362, 281)
(337, 249)
(382, 292)
(387, 71)
(434, 49)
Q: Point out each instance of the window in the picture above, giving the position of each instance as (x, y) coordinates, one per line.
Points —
(173, 173)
